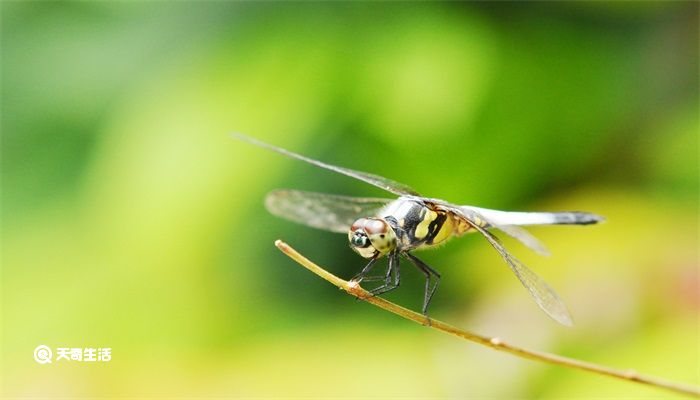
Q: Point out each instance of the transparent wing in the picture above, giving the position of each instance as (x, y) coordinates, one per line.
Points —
(376, 180)
(323, 211)
(524, 237)
(544, 296)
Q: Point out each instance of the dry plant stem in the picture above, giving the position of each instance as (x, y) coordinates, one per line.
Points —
(493, 342)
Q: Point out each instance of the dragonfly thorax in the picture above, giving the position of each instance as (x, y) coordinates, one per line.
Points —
(372, 237)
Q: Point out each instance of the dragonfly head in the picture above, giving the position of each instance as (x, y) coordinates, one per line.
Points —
(372, 237)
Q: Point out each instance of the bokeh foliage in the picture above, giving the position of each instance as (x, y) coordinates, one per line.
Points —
(131, 220)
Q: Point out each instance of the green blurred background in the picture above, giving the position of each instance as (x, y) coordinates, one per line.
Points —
(131, 220)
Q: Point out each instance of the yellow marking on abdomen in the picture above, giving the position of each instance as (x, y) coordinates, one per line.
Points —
(460, 226)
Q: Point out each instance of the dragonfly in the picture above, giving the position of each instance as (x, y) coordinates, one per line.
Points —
(395, 228)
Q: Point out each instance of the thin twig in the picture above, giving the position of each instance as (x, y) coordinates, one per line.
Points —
(354, 289)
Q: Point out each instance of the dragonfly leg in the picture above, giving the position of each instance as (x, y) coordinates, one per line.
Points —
(392, 278)
(386, 277)
(429, 272)
(359, 277)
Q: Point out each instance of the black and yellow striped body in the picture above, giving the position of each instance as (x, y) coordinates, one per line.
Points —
(419, 224)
